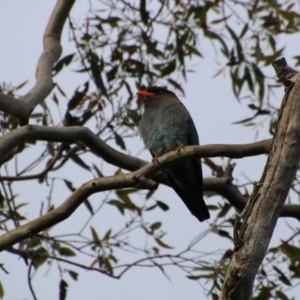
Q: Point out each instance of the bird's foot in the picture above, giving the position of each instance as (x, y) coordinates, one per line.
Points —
(178, 149)
(155, 159)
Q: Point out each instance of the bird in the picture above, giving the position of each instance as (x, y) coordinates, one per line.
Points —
(166, 125)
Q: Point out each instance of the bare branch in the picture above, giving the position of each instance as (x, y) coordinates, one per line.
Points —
(13, 106)
(69, 206)
(78, 134)
(22, 108)
(71, 134)
(223, 186)
(51, 53)
(263, 209)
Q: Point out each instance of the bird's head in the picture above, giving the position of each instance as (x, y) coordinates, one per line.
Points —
(154, 94)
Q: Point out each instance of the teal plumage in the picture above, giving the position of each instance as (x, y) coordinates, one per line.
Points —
(166, 125)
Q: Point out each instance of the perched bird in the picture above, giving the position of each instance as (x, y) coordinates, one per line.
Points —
(167, 125)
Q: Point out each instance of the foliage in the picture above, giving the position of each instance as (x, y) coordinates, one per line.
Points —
(120, 47)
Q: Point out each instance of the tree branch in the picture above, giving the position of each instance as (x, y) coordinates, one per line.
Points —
(263, 209)
(51, 53)
(71, 203)
(13, 106)
(223, 187)
(78, 134)
(70, 134)
(82, 135)
(137, 178)
(22, 108)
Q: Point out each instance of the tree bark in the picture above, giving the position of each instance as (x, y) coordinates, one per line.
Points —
(263, 209)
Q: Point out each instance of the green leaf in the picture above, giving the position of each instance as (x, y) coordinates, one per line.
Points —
(264, 294)
(150, 193)
(107, 235)
(63, 287)
(118, 204)
(247, 120)
(99, 173)
(66, 251)
(96, 68)
(155, 226)
(20, 85)
(107, 265)
(96, 238)
(260, 77)
(39, 256)
(202, 276)
(69, 184)
(113, 21)
(224, 210)
(162, 244)
(119, 141)
(176, 85)
(134, 116)
(151, 207)
(1, 291)
(163, 206)
(212, 35)
(292, 252)
(281, 295)
(272, 42)
(282, 276)
(65, 61)
(224, 233)
(168, 68)
(244, 31)
(75, 158)
(123, 195)
(78, 96)
(113, 258)
(89, 206)
(73, 274)
(248, 78)
(143, 11)
(193, 50)
(239, 48)
(111, 74)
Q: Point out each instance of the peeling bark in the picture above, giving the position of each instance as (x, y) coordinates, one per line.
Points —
(265, 205)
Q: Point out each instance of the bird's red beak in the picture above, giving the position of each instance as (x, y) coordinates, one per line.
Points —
(144, 93)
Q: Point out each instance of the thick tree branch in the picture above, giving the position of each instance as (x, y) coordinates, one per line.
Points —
(22, 108)
(13, 106)
(78, 134)
(263, 209)
(51, 53)
(224, 187)
(70, 204)
(71, 134)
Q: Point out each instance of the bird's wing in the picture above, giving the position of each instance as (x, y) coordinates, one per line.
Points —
(192, 135)
(188, 185)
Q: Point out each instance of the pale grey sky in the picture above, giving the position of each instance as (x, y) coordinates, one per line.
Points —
(22, 23)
